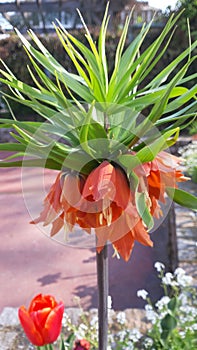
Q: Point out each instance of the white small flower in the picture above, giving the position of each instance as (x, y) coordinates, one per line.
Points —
(179, 271)
(148, 307)
(94, 321)
(168, 278)
(66, 319)
(182, 334)
(184, 280)
(135, 335)
(162, 315)
(129, 346)
(162, 302)
(193, 327)
(148, 342)
(183, 299)
(109, 302)
(121, 317)
(159, 266)
(190, 311)
(110, 338)
(122, 335)
(151, 315)
(142, 293)
(81, 332)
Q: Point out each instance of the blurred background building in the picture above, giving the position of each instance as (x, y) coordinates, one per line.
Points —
(39, 14)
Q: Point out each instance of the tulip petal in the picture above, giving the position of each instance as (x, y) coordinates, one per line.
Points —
(29, 328)
(53, 324)
(39, 318)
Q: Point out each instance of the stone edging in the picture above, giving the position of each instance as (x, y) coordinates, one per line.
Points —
(12, 336)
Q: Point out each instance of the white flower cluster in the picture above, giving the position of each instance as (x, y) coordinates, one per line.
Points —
(162, 303)
(178, 301)
(151, 314)
(189, 154)
(121, 318)
(126, 338)
(66, 320)
(183, 280)
(178, 279)
(81, 331)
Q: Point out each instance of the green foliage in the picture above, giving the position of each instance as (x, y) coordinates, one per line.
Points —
(172, 319)
(174, 316)
(168, 323)
(182, 198)
(193, 128)
(94, 112)
(190, 12)
(12, 52)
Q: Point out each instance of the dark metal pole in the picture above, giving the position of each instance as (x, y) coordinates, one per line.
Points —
(103, 291)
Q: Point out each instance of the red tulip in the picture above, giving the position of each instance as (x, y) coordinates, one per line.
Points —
(82, 345)
(42, 321)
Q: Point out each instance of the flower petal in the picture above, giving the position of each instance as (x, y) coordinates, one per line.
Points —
(57, 225)
(141, 235)
(29, 328)
(53, 324)
(101, 182)
(124, 245)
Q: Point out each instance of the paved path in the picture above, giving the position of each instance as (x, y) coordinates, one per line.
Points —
(186, 228)
(31, 263)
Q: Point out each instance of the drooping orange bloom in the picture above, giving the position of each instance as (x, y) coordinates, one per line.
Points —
(42, 321)
(157, 175)
(115, 218)
(105, 202)
(62, 202)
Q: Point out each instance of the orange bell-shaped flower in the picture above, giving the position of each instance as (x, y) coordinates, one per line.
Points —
(105, 202)
(115, 217)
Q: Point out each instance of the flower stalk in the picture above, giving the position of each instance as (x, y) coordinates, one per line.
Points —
(45, 347)
(103, 289)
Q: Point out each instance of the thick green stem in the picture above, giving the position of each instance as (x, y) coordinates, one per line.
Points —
(103, 290)
(45, 347)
